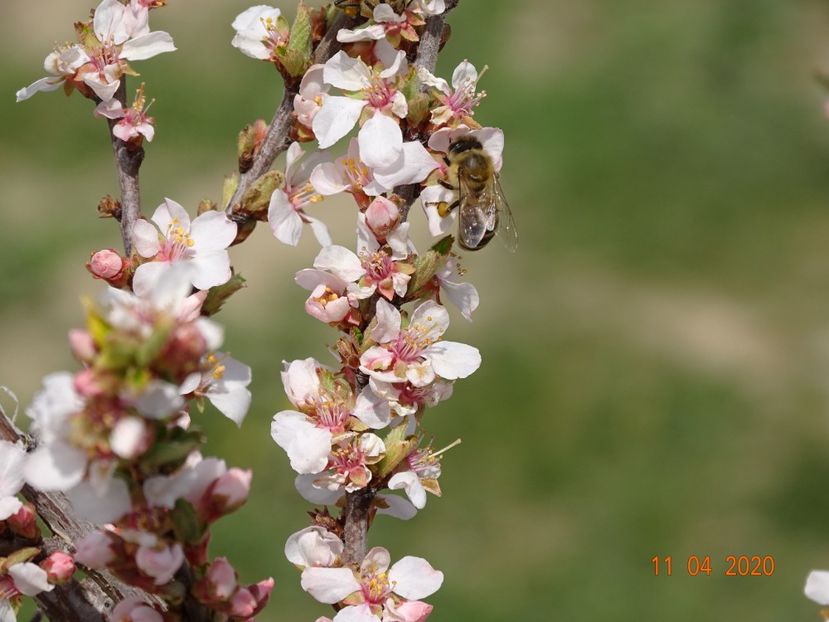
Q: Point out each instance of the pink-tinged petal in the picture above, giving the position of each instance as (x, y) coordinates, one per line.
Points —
(307, 446)
(381, 141)
(320, 231)
(398, 507)
(145, 238)
(42, 85)
(212, 231)
(112, 109)
(358, 613)
(378, 359)
(420, 374)
(313, 83)
(301, 381)
(148, 45)
(427, 78)
(452, 360)
(328, 179)
(292, 156)
(100, 507)
(415, 165)
(817, 587)
(410, 482)
(431, 320)
(369, 33)
(160, 564)
(341, 262)
(313, 546)
(376, 560)
(383, 13)
(147, 275)
(372, 409)
(414, 578)
(329, 585)
(147, 129)
(393, 60)
(284, 221)
(104, 89)
(57, 466)
(310, 279)
(312, 493)
(212, 268)
(336, 118)
(30, 579)
(409, 611)
(346, 73)
(388, 322)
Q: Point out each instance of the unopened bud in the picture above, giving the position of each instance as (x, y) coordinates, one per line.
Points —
(250, 142)
(108, 207)
(24, 522)
(95, 550)
(59, 567)
(130, 438)
(227, 493)
(107, 265)
(382, 216)
(218, 584)
(88, 384)
(82, 345)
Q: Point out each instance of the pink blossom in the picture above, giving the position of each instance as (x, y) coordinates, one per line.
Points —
(160, 562)
(24, 522)
(459, 101)
(227, 493)
(312, 92)
(95, 550)
(219, 583)
(257, 32)
(82, 345)
(133, 609)
(382, 217)
(106, 264)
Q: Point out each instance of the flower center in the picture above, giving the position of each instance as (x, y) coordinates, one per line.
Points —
(179, 243)
(378, 265)
(357, 173)
(379, 93)
(375, 587)
(303, 195)
(410, 344)
(332, 414)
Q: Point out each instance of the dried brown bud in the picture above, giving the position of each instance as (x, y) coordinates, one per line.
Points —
(109, 207)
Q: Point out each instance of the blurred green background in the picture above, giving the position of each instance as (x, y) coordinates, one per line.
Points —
(656, 355)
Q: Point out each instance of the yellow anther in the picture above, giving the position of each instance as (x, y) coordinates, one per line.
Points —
(219, 372)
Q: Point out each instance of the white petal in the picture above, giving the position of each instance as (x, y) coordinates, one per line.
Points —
(310, 279)
(410, 482)
(147, 276)
(230, 396)
(492, 139)
(369, 33)
(307, 445)
(145, 237)
(817, 587)
(212, 231)
(372, 409)
(399, 507)
(172, 289)
(12, 460)
(212, 268)
(57, 466)
(313, 546)
(148, 45)
(381, 141)
(452, 360)
(430, 319)
(104, 89)
(336, 118)
(300, 380)
(251, 18)
(107, 22)
(213, 333)
(341, 262)
(101, 508)
(329, 585)
(328, 179)
(465, 73)
(413, 166)
(356, 613)
(393, 59)
(9, 506)
(44, 85)
(283, 219)
(320, 231)
(30, 579)
(463, 295)
(159, 400)
(414, 578)
(388, 322)
(127, 437)
(346, 73)
(317, 495)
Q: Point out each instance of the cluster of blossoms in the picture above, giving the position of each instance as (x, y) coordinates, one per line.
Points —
(354, 428)
(119, 436)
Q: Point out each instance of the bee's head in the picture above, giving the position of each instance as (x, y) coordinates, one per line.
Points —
(465, 143)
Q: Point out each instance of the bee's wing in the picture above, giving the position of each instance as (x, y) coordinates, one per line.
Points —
(507, 230)
(473, 219)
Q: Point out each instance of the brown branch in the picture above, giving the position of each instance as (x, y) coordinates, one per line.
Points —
(356, 514)
(128, 159)
(278, 137)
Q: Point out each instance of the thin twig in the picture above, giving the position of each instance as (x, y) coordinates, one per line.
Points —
(128, 159)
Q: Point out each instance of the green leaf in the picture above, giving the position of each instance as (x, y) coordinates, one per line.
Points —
(219, 295)
(297, 56)
(186, 523)
(398, 446)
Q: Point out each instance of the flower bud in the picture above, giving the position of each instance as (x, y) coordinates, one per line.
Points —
(382, 216)
(82, 344)
(218, 584)
(160, 563)
(226, 494)
(326, 305)
(59, 567)
(24, 522)
(107, 265)
(243, 603)
(130, 438)
(134, 609)
(87, 383)
(95, 550)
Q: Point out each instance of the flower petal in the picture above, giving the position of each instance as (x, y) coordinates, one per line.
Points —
(372, 409)
(42, 85)
(56, 466)
(817, 587)
(336, 118)
(414, 578)
(283, 219)
(101, 508)
(307, 446)
(212, 231)
(341, 262)
(381, 141)
(148, 45)
(30, 579)
(329, 585)
(452, 360)
(145, 238)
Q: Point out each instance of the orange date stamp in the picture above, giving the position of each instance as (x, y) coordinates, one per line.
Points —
(732, 566)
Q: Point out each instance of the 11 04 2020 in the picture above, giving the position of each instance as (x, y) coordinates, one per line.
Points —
(701, 565)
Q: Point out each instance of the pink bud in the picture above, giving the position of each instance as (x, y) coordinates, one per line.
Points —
(160, 564)
(134, 609)
(59, 567)
(218, 584)
(262, 592)
(87, 383)
(243, 603)
(106, 264)
(227, 493)
(24, 522)
(95, 550)
(413, 611)
(382, 216)
(82, 344)
(327, 305)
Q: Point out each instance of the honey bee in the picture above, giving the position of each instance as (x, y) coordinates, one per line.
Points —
(483, 208)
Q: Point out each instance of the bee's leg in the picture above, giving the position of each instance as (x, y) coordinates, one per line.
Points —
(444, 208)
(446, 184)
